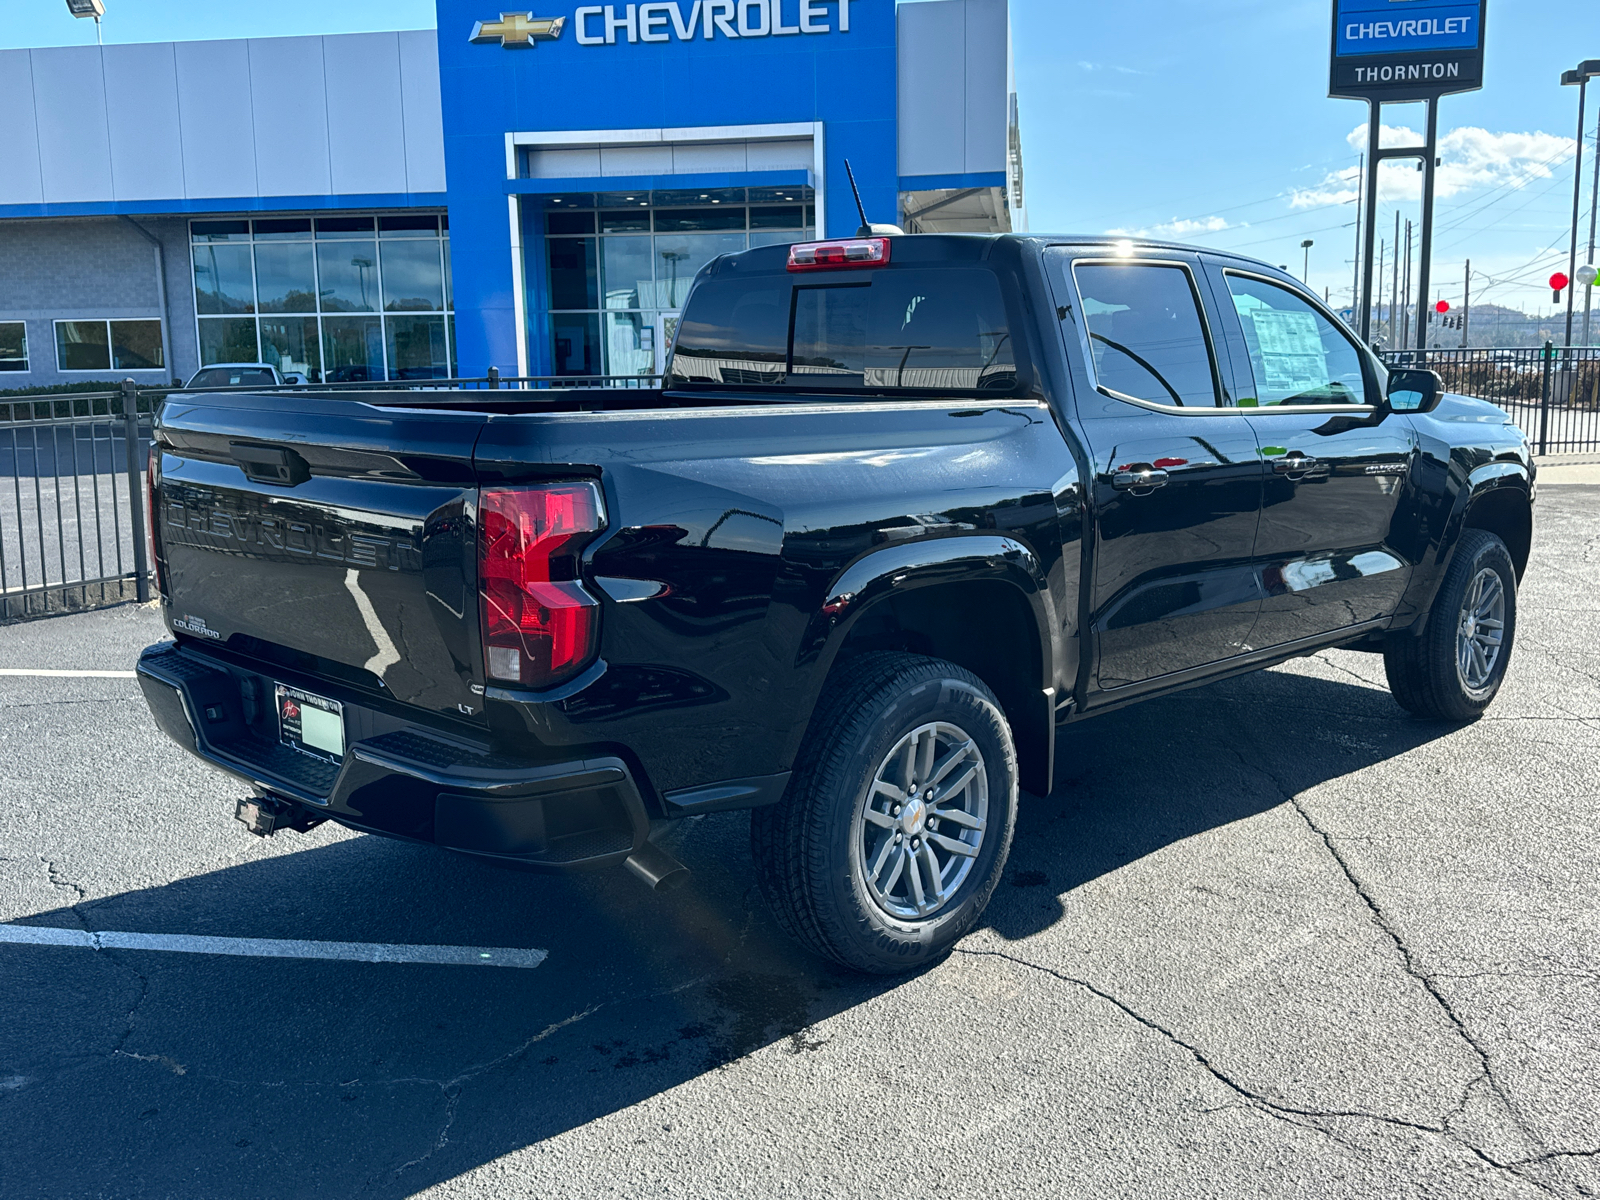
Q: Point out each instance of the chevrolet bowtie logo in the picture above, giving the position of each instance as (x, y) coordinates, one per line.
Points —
(517, 31)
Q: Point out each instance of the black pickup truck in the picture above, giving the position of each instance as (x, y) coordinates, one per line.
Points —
(903, 507)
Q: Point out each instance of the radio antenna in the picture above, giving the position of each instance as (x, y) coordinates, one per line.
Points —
(866, 225)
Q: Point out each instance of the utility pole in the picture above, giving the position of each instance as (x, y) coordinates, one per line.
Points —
(1394, 290)
(1405, 305)
(1380, 285)
(1466, 304)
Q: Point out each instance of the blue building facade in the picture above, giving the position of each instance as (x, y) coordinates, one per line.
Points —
(528, 191)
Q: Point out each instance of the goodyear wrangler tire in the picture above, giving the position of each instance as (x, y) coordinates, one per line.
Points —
(898, 818)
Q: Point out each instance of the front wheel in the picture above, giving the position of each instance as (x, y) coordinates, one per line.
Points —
(1454, 670)
(898, 818)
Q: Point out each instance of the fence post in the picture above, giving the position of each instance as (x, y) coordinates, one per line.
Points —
(1544, 402)
(136, 505)
(494, 378)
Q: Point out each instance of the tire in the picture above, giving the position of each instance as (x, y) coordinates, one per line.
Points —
(1426, 673)
(815, 853)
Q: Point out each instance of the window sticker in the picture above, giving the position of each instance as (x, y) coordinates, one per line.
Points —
(1292, 354)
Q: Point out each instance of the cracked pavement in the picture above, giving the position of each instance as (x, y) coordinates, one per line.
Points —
(1267, 938)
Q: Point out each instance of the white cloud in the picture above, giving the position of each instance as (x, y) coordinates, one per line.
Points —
(1472, 158)
(1180, 227)
(1094, 66)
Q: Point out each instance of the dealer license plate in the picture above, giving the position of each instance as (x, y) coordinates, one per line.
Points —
(311, 724)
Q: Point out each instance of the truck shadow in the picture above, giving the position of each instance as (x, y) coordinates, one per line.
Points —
(129, 1073)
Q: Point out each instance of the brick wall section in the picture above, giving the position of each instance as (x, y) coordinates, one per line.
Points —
(75, 268)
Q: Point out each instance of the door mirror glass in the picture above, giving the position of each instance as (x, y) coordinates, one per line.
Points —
(1413, 390)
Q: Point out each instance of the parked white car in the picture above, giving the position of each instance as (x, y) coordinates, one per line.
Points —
(241, 375)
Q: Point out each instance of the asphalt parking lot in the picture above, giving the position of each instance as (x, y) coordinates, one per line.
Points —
(1271, 937)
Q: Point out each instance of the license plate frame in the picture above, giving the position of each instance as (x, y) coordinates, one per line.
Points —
(322, 736)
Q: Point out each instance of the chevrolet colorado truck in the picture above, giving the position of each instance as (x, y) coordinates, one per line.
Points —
(902, 507)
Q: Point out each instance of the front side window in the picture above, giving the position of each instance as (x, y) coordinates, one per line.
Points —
(1147, 334)
(13, 346)
(1297, 355)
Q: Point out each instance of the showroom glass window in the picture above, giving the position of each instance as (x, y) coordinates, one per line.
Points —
(102, 345)
(13, 346)
(335, 299)
(618, 265)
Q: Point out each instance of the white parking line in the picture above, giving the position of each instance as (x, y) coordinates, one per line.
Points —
(180, 943)
(30, 672)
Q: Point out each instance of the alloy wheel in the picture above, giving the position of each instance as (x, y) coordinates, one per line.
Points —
(921, 823)
(1480, 633)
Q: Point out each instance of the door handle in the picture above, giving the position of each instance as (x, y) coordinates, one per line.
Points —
(1138, 479)
(1295, 464)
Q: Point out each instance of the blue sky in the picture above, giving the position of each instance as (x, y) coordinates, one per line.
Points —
(1204, 122)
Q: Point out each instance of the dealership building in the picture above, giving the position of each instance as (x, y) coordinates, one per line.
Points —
(532, 192)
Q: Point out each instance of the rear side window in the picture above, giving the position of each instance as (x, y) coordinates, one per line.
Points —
(943, 329)
(1148, 336)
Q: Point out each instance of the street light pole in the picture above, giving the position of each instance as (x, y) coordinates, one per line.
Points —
(1305, 270)
(1594, 210)
(1586, 71)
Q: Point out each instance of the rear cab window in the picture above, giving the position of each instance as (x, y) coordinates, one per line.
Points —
(920, 328)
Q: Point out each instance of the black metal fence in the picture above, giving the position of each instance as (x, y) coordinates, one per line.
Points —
(72, 467)
(72, 485)
(1551, 392)
(72, 501)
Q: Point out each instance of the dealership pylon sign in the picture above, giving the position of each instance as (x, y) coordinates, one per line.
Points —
(1394, 50)
(1406, 49)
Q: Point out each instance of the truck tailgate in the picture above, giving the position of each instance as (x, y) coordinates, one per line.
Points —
(345, 554)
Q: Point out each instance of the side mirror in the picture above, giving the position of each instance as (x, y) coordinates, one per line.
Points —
(1414, 391)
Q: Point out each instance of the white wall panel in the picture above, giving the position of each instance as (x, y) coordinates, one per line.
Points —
(74, 147)
(932, 88)
(988, 42)
(214, 101)
(20, 182)
(713, 156)
(142, 118)
(290, 114)
(422, 111)
(564, 164)
(636, 160)
(353, 114)
(365, 136)
(794, 154)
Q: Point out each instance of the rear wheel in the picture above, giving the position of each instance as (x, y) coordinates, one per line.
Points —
(1454, 670)
(898, 819)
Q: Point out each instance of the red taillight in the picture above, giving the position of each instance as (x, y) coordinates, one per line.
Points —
(835, 256)
(539, 625)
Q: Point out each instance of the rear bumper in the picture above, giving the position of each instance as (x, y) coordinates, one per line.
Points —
(401, 780)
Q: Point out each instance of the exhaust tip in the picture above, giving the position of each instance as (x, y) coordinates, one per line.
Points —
(658, 869)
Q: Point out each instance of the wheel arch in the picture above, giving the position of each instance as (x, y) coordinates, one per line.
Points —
(979, 602)
(1500, 501)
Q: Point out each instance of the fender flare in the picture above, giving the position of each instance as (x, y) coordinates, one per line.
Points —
(1484, 480)
(893, 571)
